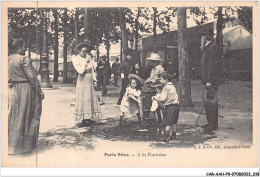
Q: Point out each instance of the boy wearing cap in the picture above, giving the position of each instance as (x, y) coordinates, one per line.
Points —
(170, 101)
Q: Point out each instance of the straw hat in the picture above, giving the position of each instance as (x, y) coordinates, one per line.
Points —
(154, 57)
(209, 96)
(130, 76)
(85, 43)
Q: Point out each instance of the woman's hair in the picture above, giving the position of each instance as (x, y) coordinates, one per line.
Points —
(15, 44)
(166, 75)
(138, 86)
(88, 49)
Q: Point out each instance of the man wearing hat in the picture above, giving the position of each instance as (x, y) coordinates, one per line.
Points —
(210, 70)
(155, 59)
(103, 68)
(115, 67)
(126, 67)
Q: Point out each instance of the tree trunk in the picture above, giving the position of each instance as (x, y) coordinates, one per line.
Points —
(155, 46)
(40, 44)
(123, 33)
(65, 79)
(136, 34)
(121, 47)
(184, 68)
(219, 37)
(87, 29)
(56, 46)
(29, 44)
(76, 31)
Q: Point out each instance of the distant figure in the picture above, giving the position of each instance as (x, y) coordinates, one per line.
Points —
(104, 70)
(125, 68)
(24, 100)
(87, 104)
(115, 67)
(108, 72)
(138, 70)
(210, 71)
(100, 71)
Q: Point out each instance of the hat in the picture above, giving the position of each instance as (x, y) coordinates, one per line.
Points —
(209, 96)
(154, 57)
(130, 76)
(85, 43)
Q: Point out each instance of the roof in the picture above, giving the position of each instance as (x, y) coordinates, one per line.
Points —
(242, 43)
(237, 37)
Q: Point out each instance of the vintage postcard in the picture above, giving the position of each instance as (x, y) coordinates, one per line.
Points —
(129, 84)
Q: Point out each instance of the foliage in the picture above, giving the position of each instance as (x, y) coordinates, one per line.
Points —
(236, 15)
(245, 17)
(21, 22)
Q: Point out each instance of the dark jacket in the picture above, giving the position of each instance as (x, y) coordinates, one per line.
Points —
(100, 66)
(126, 68)
(210, 65)
(115, 67)
(107, 68)
(104, 68)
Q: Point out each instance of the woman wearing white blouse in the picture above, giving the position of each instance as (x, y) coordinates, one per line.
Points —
(87, 104)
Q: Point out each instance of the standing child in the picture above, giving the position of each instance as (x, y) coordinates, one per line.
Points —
(131, 99)
(170, 102)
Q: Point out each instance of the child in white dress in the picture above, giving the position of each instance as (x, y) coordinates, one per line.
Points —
(131, 100)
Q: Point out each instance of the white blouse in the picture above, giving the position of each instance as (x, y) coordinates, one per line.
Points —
(82, 64)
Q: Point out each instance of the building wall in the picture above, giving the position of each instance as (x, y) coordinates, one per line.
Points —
(168, 43)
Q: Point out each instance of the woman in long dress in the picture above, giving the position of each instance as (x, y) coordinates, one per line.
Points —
(87, 104)
(24, 100)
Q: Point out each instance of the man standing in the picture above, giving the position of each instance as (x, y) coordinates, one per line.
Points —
(115, 67)
(108, 72)
(210, 71)
(102, 74)
(125, 68)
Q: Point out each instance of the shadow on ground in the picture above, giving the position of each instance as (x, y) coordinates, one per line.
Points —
(187, 135)
(67, 138)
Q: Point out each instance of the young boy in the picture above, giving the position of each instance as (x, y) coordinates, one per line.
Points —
(170, 102)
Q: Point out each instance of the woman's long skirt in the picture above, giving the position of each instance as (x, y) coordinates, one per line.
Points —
(87, 104)
(25, 108)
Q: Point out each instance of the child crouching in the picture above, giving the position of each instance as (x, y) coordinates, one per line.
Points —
(131, 100)
(169, 100)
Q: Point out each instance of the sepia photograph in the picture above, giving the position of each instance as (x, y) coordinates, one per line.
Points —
(129, 84)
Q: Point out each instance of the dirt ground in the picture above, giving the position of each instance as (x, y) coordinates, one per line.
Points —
(61, 143)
